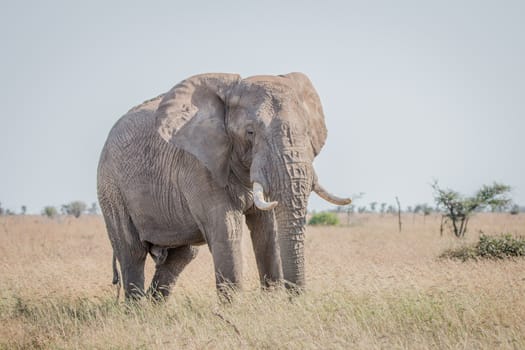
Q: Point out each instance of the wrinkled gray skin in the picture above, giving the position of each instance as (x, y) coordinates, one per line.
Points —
(177, 172)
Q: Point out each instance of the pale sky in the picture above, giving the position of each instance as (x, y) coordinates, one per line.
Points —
(412, 90)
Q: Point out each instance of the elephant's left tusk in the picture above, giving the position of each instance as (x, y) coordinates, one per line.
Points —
(327, 196)
(258, 198)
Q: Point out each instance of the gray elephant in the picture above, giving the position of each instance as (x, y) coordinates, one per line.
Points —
(187, 167)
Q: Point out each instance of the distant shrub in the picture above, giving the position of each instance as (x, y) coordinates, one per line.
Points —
(423, 208)
(50, 211)
(75, 208)
(93, 210)
(324, 218)
(392, 210)
(515, 210)
(491, 247)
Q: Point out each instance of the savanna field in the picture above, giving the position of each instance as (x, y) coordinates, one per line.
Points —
(369, 287)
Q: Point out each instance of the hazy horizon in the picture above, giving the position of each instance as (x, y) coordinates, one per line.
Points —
(411, 91)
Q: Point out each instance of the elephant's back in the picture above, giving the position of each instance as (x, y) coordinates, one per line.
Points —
(137, 123)
(130, 135)
(149, 105)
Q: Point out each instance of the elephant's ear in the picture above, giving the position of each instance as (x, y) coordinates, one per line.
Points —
(191, 116)
(313, 110)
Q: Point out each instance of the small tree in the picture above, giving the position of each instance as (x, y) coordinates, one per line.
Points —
(50, 211)
(373, 206)
(458, 209)
(23, 210)
(382, 208)
(1, 209)
(75, 208)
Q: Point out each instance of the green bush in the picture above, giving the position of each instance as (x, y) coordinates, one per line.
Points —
(491, 247)
(501, 247)
(324, 218)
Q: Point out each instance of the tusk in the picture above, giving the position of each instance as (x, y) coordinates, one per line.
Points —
(258, 198)
(327, 196)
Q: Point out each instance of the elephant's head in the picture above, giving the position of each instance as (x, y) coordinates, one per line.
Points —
(266, 130)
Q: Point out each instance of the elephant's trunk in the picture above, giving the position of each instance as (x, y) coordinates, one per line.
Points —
(292, 192)
(286, 174)
(291, 242)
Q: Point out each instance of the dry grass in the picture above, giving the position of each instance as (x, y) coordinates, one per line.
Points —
(368, 287)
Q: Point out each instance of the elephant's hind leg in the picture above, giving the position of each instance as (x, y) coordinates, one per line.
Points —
(167, 272)
(130, 252)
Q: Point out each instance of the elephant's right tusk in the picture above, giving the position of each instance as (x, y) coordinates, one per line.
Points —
(258, 198)
(327, 196)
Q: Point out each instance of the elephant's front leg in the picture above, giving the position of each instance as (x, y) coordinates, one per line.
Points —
(223, 234)
(263, 231)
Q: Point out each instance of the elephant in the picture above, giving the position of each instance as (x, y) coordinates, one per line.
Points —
(187, 167)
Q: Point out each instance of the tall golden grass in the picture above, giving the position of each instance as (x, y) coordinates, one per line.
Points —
(369, 287)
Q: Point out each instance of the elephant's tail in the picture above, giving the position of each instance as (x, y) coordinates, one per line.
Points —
(116, 278)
